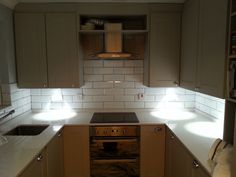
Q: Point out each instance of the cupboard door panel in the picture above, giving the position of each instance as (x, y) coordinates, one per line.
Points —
(212, 47)
(164, 49)
(37, 168)
(152, 153)
(62, 50)
(189, 44)
(31, 50)
(76, 151)
(55, 157)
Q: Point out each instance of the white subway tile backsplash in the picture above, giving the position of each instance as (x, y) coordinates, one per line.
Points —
(114, 64)
(41, 99)
(102, 98)
(124, 98)
(136, 78)
(93, 91)
(35, 92)
(118, 105)
(123, 70)
(93, 105)
(114, 91)
(114, 77)
(103, 71)
(155, 91)
(108, 84)
(133, 91)
(71, 91)
(134, 104)
(116, 84)
(124, 84)
(91, 78)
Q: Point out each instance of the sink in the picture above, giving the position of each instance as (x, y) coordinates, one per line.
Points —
(27, 130)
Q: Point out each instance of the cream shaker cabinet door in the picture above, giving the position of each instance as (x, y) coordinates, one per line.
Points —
(55, 157)
(164, 49)
(31, 50)
(152, 152)
(178, 160)
(37, 168)
(62, 47)
(76, 151)
(189, 44)
(212, 47)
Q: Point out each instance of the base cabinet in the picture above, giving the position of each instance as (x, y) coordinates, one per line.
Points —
(37, 167)
(179, 162)
(54, 152)
(152, 151)
(76, 151)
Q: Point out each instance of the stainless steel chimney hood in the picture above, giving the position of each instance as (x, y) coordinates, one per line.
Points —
(113, 42)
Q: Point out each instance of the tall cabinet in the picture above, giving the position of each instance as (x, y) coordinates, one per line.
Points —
(47, 49)
(203, 51)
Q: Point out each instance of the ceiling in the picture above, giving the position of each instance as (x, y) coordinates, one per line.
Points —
(12, 3)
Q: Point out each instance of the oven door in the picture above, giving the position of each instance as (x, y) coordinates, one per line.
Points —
(115, 168)
(114, 148)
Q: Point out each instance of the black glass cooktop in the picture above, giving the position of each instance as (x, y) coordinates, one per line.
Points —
(114, 117)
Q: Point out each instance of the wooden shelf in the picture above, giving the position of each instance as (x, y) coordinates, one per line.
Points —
(122, 31)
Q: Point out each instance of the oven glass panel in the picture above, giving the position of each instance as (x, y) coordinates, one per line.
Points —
(119, 148)
(115, 168)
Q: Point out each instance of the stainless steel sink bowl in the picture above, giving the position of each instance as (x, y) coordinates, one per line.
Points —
(27, 130)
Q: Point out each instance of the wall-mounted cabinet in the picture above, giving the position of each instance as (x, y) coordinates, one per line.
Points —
(47, 50)
(204, 46)
(130, 38)
(164, 49)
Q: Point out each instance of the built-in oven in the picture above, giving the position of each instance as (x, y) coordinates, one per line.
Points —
(114, 151)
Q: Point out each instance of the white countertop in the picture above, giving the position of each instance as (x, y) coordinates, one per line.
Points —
(196, 130)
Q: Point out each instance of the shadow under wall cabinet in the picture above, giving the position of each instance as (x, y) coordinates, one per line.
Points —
(179, 162)
(164, 49)
(204, 46)
(47, 50)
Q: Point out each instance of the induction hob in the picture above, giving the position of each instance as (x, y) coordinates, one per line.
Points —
(114, 117)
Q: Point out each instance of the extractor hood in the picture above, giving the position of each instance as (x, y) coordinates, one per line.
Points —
(113, 42)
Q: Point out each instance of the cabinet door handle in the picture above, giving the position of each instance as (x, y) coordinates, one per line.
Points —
(157, 129)
(176, 84)
(195, 164)
(172, 137)
(40, 157)
(59, 134)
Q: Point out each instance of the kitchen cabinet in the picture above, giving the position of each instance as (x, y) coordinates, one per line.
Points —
(152, 152)
(37, 168)
(7, 50)
(31, 50)
(54, 152)
(164, 49)
(179, 161)
(76, 151)
(204, 46)
(48, 41)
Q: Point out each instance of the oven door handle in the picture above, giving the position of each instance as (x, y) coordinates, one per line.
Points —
(114, 161)
(114, 140)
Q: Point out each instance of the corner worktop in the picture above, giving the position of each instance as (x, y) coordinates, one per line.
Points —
(197, 131)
